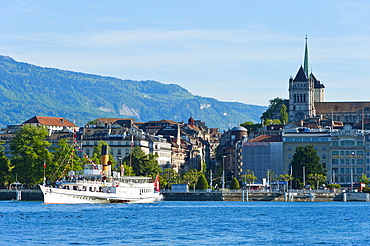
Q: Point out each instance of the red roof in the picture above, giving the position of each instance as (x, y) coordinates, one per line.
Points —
(49, 121)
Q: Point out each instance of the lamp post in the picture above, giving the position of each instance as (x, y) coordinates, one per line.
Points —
(304, 177)
(120, 166)
(223, 171)
(333, 181)
(352, 154)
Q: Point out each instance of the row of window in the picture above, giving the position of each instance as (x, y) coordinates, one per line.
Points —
(346, 170)
(110, 143)
(323, 147)
(347, 143)
(348, 153)
(323, 156)
(295, 139)
(350, 117)
(343, 143)
(299, 98)
(346, 162)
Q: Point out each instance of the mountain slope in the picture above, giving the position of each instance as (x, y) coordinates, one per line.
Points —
(27, 90)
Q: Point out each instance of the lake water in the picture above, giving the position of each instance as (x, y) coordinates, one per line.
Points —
(186, 223)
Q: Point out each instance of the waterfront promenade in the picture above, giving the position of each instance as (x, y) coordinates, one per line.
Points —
(226, 195)
(245, 195)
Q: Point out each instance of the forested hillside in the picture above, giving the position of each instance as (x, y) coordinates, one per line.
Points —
(27, 90)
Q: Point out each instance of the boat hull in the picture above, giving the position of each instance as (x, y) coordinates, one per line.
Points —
(63, 196)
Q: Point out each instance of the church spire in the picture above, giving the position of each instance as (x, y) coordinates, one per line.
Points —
(305, 62)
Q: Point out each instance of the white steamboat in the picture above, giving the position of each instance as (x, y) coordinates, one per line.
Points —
(95, 187)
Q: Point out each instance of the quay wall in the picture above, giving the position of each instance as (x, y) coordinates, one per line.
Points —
(36, 195)
(21, 194)
(265, 196)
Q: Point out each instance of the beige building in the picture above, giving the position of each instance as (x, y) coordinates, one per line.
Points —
(348, 152)
(319, 138)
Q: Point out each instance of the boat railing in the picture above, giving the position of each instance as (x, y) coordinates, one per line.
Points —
(108, 182)
(85, 182)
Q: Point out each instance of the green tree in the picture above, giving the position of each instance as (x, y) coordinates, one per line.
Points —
(202, 183)
(334, 186)
(152, 168)
(271, 176)
(30, 151)
(364, 179)
(128, 171)
(203, 166)
(250, 126)
(5, 168)
(168, 177)
(316, 179)
(268, 122)
(96, 158)
(284, 119)
(142, 164)
(234, 184)
(64, 158)
(272, 110)
(191, 177)
(286, 178)
(249, 177)
(305, 158)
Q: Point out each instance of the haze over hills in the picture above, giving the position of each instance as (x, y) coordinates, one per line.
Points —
(27, 90)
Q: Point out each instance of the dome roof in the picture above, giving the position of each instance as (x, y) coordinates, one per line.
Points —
(239, 129)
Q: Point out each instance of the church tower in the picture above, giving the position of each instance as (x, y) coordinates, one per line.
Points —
(302, 92)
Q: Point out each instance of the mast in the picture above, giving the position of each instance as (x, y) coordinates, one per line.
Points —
(132, 145)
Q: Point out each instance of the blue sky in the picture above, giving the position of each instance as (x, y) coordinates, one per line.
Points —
(236, 50)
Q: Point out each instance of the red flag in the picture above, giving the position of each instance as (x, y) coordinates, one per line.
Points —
(132, 141)
(44, 164)
(156, 183)
(74, 135)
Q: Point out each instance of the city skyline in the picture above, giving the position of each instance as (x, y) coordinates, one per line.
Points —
(251, 47)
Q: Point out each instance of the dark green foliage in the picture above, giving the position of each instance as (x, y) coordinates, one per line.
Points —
(202, 183)
(366, 189)
(234, 184)
(168, 177)
(250, 126)
(191, 178)
(273, 109)
(142, 164)
(305, 156)
(30, 151)
(5, 168)
(27, 90)
(284, 115)
(333, 186)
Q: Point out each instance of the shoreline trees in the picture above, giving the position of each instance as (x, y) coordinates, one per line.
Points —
(305, 162)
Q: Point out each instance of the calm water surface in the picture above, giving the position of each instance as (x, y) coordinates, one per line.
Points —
(186, 223)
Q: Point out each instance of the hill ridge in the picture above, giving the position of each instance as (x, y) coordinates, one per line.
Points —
(27, 90)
